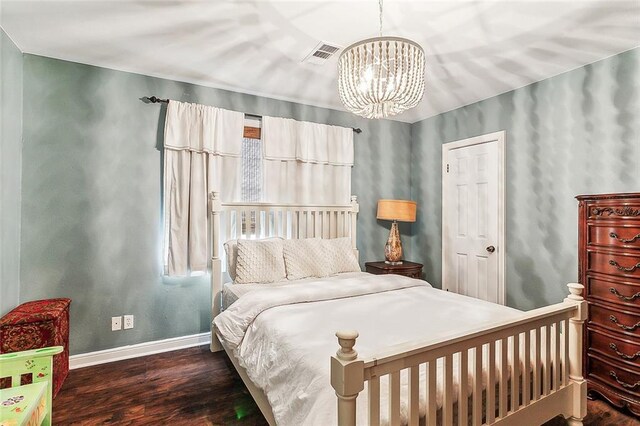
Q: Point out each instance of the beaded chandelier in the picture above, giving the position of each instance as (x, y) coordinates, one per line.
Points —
(381, 76)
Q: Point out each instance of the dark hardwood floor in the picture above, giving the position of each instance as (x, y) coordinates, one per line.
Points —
(189, 387)
(186, 387)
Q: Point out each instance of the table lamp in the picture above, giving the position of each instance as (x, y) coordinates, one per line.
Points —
(395, 210)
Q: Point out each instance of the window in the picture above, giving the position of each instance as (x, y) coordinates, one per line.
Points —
(251, 180)
(251, 170)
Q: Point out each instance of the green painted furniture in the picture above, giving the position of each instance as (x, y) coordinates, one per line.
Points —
(23, 405)
(19, 403)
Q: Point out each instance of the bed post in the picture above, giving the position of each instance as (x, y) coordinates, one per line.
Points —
(347, 377)
(355, 208)
(216, 267)
(576, 329)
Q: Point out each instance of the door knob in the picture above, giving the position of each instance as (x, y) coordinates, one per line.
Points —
(491, 249)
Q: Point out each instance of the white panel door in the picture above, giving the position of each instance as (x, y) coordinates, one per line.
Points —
(471, 225)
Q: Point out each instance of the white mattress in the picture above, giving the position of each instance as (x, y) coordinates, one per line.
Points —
(231, 291)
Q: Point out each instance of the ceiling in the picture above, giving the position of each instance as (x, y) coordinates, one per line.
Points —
(474, 49)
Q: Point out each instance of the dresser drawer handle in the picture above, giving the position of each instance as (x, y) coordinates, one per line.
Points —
(623, 355)
(614, 320)
(631, 298)
(623, 268)
(624, 240)
(624, 385)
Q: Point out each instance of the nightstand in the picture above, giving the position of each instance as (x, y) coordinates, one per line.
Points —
(408, 269)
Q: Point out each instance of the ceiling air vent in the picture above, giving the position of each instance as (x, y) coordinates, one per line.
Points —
(321, 53)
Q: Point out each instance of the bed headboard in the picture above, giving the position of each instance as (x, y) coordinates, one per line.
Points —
(261, 220)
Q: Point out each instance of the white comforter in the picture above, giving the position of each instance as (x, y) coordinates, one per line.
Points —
(284, 337)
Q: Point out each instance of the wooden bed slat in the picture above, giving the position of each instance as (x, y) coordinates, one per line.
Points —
(477, 390)
(238, 217)
(447, 391)
(515, 373)
(537, 374)
(326, 226)
(504, 368)
(286, 224)
(432, 381)
(258, 225)
(565, 353)
(229, 224)
(547, 360)
(308, 231)
(526, 374)
(414, 395)
(317, 221)
(463, 388)
(394, 399)
(374, 401)
(491, 383)
(274, 222)
(556, 356)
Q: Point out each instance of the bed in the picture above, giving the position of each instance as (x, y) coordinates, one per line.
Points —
(413, 349)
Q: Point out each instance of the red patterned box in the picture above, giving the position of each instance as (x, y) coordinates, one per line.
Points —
(39, 324)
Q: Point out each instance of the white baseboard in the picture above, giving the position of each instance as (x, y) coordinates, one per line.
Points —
(138, 350)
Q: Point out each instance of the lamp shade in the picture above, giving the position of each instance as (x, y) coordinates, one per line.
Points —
(400, 210)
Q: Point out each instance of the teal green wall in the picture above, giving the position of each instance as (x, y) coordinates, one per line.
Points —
(10, 161)
(576, 133)
(91, 195)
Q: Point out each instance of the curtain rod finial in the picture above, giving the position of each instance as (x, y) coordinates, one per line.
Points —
(155, 100)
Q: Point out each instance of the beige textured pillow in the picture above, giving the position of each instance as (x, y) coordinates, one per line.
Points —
(305, 258)
(260, 261)
(340, 256)
(231, 252)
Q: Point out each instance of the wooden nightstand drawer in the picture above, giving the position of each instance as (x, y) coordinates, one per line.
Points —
(614, 319)
(624, 379)
(408, 269)
(623, 236)
(615, 290)
(614, 263)
(628, 208)
(623, 349)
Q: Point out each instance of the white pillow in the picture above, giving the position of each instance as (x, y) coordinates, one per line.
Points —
(231, 252)
(260, 261)
(305, 258)
(340, 256)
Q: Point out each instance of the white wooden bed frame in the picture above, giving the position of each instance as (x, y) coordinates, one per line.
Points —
(545, 337)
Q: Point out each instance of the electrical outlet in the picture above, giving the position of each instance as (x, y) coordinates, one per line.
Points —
(128, 322)
(116, 323)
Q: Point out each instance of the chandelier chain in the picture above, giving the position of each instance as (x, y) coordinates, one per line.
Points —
(380, 6)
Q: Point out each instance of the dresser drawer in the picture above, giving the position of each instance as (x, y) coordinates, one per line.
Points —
(614, 236)
(614, 263)
(615, 210)
(617, 290)
(625, 379)
(621, 348)
(627, 322)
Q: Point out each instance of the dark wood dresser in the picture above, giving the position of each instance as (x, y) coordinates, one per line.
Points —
(609, 269)
(408, 269)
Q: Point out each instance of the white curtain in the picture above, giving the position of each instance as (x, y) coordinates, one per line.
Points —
(202, 149)
(306, 163)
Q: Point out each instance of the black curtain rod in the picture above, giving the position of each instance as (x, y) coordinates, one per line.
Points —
(155, 100)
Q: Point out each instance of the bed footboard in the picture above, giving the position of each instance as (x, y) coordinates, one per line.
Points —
(532, 370)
